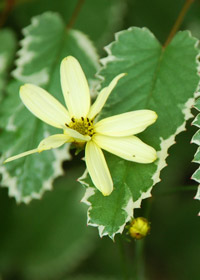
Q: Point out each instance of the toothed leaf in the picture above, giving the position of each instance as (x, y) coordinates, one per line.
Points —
(197, 156)
(163, 80)
(38, 63)
(196, 121)
(196, 140)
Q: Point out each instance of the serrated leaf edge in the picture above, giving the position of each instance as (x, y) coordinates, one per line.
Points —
(11, 182)
(25, 55)
(42, 77)
(90, 192)
(197, 196)
(195, 121)
(165, 143)
(194, 160)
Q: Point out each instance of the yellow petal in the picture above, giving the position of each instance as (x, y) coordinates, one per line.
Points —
(98, 168)
(129, 148)
(53, 141)
(78, 137)
(126, 124)
(103, 96)
(44, 106)
(21, 155)
(75, 87)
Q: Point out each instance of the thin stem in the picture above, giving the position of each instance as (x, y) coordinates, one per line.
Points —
(178, 21)
(9, 4)
(124, 263)
(75, 14)
(139, 259)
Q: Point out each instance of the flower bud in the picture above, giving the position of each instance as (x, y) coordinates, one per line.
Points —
(139, 228)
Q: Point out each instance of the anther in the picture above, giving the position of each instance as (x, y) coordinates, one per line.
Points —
(82, 118)
(66, 124)
(87, 120)
(73, 119)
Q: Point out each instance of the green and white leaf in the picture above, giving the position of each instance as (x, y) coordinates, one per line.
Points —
(163, 80)
(7, 51)
(38, 63)
(196, 140)
(98, 28)
(47, 239)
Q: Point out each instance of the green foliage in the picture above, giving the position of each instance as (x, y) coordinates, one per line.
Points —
(38, 63)
(7, 51)
(196, 140)
(163, 80)
(48, 237)
(98, 28)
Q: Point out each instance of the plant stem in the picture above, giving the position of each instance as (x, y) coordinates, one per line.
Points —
(178, 21)
(124, 263)
(139, 259)
(9, 4)
(75, 14)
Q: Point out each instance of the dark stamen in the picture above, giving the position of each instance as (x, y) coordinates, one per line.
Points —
(73, 119)
(82, 118)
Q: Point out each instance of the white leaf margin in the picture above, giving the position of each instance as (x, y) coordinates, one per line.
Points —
(25, 56)
(11, 182)
(197, 196)
(162, 154)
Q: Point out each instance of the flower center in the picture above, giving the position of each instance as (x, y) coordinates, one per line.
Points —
(84, 126)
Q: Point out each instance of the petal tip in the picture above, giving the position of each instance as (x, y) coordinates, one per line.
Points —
(122, 75)
(67, 58)
(154, 156)
(156, 116)
(22, 87)
(107, 193)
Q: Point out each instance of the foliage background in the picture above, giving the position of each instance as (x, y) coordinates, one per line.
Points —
(43, 241)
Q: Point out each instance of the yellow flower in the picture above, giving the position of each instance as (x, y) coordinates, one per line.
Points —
(113, 134)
